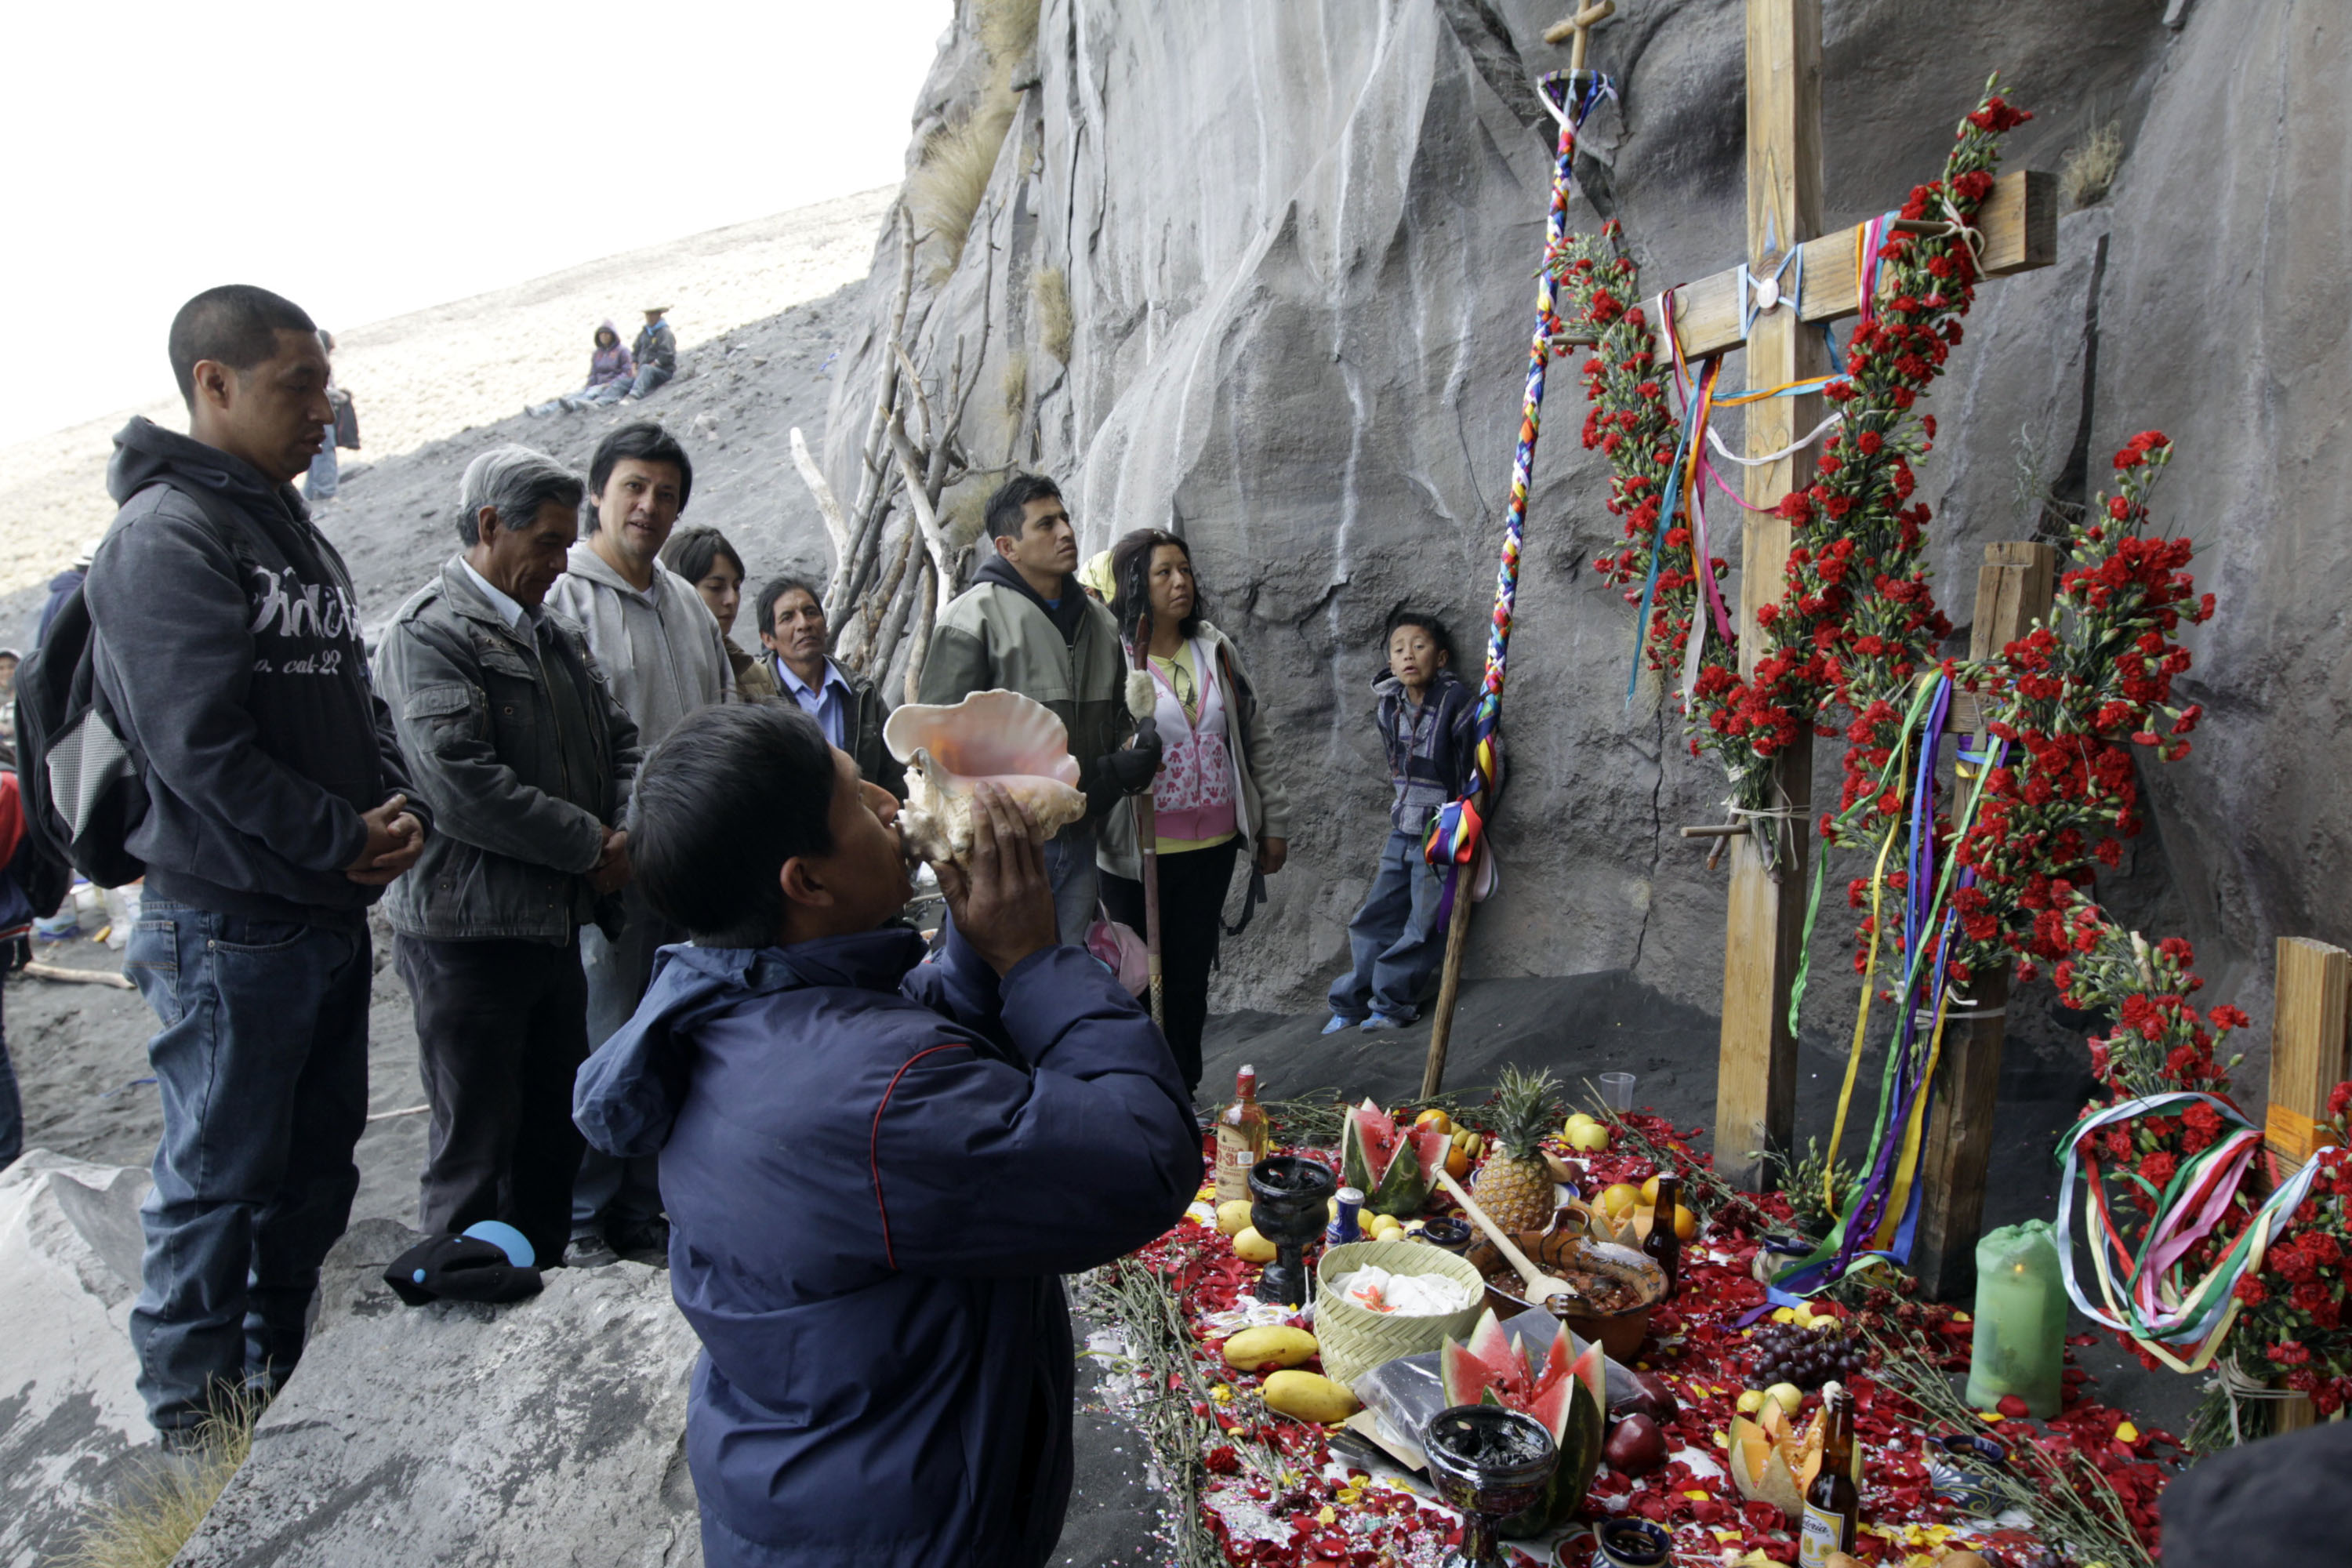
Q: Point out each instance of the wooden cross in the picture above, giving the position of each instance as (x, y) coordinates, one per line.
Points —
(1755, 1086)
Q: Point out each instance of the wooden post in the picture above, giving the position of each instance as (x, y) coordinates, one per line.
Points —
(2014, 588)
(1449, 985)
(1756, 1082)
(2308, 1057)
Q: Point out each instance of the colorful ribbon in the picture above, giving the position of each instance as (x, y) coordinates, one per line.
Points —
(1456, 827)
(2163, 1311)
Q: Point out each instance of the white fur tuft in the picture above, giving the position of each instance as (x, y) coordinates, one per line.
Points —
(1142, 698)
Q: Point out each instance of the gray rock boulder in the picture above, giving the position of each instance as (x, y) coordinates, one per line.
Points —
(1298, 240)
(72, 1427)
(551, 1430)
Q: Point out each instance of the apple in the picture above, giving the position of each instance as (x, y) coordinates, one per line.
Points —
(1635, 1446)
(1653, 1398)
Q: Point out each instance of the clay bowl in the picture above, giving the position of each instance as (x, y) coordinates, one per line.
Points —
(1567, 1255)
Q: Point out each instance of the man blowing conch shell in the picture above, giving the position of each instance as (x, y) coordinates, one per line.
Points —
(876, 1167)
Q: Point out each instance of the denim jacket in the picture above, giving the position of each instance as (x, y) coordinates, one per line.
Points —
(513, 737)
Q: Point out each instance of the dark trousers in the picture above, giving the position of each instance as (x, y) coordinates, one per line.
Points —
(612, 1196)
(1193, 887)
(501, 1028)
(262, 1065)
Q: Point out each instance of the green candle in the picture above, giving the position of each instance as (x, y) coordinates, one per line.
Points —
(2020, 1320)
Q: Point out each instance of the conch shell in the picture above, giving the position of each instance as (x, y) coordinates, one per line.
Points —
(990, 737)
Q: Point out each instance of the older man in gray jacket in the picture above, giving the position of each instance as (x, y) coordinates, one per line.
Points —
(515, 740)
(667, 657)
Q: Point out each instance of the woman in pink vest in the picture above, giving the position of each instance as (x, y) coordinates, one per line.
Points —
(1219, 793)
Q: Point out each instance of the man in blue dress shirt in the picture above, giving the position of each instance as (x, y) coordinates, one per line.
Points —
(791, 619)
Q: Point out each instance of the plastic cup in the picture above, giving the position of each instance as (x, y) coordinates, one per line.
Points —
(1617, 1090)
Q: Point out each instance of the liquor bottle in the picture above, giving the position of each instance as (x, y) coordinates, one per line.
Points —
(1242, 1137)
(1663, 1243)
(1832, 1503)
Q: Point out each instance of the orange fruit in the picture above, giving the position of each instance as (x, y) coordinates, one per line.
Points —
(1617, 1200)
(1457, 1162)
(1650, 1191)
(1686, 1223)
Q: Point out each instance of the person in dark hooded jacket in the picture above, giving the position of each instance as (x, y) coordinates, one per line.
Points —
(876, 1167)
(226, 639)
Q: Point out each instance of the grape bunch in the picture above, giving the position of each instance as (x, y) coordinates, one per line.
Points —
(1786, 1353)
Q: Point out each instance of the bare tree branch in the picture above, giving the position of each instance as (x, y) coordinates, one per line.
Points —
(826, 502)
(927, 517)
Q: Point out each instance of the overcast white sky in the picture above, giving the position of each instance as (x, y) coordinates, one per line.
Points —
(366, 158)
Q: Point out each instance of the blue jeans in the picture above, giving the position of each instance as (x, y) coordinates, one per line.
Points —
(648, 378)
(319, 483)
(1395, 937)
(1077, 884)
(262, 1066)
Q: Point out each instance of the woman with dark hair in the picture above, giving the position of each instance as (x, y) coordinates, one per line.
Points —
(1217, 793)
(704, 558)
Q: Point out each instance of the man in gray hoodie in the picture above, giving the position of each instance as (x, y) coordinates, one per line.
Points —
(227, 640)
(665, 657)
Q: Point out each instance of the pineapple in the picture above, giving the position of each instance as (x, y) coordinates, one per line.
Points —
(1515, 1186)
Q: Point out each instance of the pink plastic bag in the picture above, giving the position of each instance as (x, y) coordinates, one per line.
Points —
(1117, 949)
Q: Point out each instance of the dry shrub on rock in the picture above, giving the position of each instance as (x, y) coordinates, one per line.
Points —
(2089, 168)
(147, 1527)
(945, 190)
(1051, 289)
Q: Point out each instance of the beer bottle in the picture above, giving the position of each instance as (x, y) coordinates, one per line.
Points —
(1832, 1503)
(1243, 1136)
(1663, 1243)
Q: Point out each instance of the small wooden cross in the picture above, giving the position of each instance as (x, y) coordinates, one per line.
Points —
(1755, 1086)
(1572, 30)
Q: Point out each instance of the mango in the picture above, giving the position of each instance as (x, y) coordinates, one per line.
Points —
(1252, 1247)
(1309, 1398)
(1233, 1217)
(1253, 1348)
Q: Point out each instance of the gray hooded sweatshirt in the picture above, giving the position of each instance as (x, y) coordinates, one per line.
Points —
(662, 649)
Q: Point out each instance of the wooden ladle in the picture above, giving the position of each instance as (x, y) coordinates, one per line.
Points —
(1542, 1286)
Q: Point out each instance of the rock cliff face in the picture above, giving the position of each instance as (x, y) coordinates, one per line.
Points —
(1298, 240)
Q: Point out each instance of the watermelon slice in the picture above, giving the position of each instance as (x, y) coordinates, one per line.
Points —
(1567, 1392)
(1393, 1166)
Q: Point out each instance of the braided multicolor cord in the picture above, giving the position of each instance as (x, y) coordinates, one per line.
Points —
(1455, 828)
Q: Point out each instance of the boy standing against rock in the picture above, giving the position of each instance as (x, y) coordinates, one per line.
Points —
(1428, 724)
(1026, 625)
(658, 642)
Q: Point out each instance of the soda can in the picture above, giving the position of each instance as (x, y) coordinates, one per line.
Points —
(1342, 1228)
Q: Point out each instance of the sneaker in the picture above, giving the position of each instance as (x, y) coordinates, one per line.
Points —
(589, 1249)
(644, 1236)
(1337, 1023)
(1380, 1021)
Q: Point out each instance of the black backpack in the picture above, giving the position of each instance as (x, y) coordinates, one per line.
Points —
(84, 781)
(83, 776)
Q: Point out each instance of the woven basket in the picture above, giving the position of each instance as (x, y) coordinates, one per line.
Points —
(1353, 1340)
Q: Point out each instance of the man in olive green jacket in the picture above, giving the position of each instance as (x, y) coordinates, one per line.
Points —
(1025, 626)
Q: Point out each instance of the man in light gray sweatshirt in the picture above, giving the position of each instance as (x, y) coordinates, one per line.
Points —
(658, 644)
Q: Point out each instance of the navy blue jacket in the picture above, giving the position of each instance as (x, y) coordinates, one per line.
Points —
(876, 1171)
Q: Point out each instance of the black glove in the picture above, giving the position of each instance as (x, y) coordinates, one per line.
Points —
(1128, 770)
